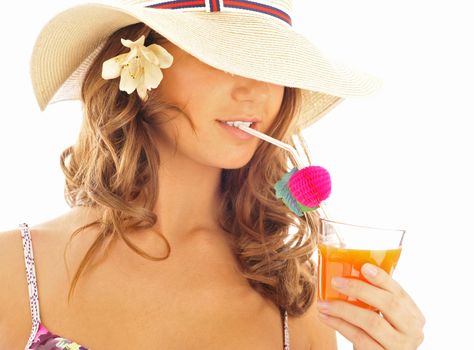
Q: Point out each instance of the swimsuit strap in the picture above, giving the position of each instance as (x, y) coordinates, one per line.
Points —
(31, 279)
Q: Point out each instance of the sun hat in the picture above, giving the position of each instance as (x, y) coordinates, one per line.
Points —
(253, 39)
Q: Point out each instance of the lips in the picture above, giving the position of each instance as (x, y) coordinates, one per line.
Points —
(255, 120)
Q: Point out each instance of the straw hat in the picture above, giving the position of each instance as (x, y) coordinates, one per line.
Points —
(253, 39)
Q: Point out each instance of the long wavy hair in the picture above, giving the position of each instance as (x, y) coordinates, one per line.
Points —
(112, 167)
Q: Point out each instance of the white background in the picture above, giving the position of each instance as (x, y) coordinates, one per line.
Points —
(401, 158)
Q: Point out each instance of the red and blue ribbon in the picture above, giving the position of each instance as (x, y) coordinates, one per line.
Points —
(261, 7)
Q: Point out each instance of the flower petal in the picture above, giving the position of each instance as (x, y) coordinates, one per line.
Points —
(142, 90)
(127, 82)
(149, 55)
(136, 67)
(129, 43)
(152, 75)
(165, 58)
(131, 56)
(112, 68)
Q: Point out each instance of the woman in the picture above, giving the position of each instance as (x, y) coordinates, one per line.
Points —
(175, 239)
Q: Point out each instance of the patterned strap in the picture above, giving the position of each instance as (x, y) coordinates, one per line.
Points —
(286, 332)
(31, 279)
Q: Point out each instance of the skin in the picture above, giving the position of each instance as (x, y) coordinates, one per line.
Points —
(206, 94)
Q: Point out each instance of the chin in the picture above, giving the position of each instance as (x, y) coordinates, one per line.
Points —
(235, 164)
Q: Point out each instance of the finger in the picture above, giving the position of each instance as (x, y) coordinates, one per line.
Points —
(380, 278)
(369, 321)
(393, 307)
(359, 338)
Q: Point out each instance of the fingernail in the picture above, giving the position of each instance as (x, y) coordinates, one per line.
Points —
(338, 282)
(323, 306)
(370, 270)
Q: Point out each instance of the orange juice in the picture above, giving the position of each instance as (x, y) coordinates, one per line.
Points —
(347, 263)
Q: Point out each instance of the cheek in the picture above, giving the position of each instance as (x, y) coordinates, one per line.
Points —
(277, 99)
(191, 88)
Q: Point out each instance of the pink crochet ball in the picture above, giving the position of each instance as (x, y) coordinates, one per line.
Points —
(310, 185)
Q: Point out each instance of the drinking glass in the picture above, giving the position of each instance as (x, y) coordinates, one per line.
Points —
(344, 248)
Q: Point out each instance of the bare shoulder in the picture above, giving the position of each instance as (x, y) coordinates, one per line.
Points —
(15, 314)
(14, 299)
(321, 337)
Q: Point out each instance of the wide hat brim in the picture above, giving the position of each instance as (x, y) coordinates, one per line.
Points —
(245, 44)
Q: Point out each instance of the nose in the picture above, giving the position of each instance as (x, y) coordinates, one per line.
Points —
(250, 90)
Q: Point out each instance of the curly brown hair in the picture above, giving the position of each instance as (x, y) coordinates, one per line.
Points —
(112, 165)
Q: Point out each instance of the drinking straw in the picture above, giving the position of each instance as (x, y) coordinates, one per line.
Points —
(280, 144)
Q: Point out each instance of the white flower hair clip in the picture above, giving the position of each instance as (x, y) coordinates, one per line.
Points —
(138, 69)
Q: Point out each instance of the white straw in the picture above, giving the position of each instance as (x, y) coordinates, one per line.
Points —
(276, 142)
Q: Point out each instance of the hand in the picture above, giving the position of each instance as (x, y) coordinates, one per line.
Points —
(400, 327)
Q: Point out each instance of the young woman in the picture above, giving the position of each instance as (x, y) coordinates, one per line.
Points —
(175, 238)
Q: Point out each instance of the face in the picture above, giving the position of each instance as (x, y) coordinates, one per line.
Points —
(208, 95)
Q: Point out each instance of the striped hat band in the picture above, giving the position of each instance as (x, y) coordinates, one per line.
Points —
(269, 8)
